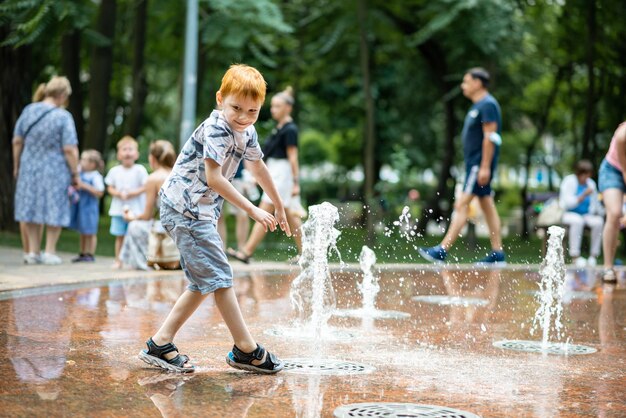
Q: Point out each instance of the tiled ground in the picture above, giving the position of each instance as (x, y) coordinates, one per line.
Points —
(72, 351)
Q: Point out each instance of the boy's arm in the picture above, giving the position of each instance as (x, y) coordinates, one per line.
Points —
(489, 146)
(261, 174)
(152, 190)
(217, 182)
(113, 191)
(136, 192)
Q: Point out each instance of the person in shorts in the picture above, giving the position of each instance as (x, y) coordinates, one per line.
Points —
(612, 183)
(191, 201)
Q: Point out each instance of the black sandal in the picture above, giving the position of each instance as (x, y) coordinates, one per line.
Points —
(155, 356)
(240, 360)
(238, 255)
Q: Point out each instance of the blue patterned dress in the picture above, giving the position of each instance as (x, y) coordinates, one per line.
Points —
(44, 176)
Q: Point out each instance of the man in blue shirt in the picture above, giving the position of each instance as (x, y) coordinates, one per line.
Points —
(481, 148)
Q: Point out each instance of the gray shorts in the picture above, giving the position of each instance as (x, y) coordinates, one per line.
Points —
(202, 256)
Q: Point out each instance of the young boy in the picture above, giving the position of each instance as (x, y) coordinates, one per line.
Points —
(191, 200)
(126, 185)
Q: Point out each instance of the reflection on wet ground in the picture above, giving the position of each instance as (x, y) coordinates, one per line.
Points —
(73, 352)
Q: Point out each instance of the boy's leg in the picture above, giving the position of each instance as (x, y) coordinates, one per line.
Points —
(184, 307)
(493, 221)
(258, 232)
(82, 244)
(461, 207)
(226, 302)
(613, 200)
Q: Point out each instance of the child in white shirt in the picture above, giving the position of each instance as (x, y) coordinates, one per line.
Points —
(126, 185)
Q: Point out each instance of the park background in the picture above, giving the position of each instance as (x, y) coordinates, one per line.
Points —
(377, 87)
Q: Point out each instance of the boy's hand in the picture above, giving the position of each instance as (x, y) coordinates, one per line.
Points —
(264, 218)
(282, 221)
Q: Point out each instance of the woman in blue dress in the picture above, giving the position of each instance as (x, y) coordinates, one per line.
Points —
(45, 161)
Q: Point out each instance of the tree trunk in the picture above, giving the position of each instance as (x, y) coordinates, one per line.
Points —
(70, 65)
(541, 125)
(590, 117)
(101, 72)
(15, 86)
(370, 134)
(140, 85)
(436, 59)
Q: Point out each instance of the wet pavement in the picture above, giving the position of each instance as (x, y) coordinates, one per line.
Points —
(71, 351)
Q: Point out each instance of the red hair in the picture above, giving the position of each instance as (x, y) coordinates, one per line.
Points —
(243, 80)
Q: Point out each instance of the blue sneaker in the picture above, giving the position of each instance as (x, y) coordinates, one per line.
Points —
(436, 254)
(495, 258)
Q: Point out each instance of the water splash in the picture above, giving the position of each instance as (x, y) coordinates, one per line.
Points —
(312, 293)
(551, 288)
(369, 288)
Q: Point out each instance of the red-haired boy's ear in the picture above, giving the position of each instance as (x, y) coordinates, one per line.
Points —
(218, 98)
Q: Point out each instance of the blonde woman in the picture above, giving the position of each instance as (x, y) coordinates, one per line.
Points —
(281, 153)
(45, 164)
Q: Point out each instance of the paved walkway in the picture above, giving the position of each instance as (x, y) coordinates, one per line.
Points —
(15, 275)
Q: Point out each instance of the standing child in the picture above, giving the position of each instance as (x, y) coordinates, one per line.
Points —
(86, 212)
(191, 201)
(126, 185)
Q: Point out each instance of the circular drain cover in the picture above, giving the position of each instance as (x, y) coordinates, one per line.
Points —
(451, 300)
(375, 314)
(325, 366)
(537, 347)
(393, 410)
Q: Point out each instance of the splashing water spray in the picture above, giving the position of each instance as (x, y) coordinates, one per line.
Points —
(551, 287)
(369, 288)
(312, 293)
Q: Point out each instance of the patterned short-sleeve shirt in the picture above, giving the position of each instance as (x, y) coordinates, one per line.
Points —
(186, 190)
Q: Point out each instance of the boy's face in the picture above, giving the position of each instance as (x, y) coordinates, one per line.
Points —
(127, 154)
(239, 111)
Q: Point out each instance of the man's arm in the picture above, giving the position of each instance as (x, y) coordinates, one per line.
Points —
(484, 173)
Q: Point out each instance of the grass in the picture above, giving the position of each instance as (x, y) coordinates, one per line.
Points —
(388, 249)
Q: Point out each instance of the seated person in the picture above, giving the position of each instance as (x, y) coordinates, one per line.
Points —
(135, 248)
(578, 196)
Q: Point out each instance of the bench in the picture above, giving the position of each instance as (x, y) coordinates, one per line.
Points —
(535, 202)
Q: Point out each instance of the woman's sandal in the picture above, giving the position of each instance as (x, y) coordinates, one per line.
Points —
(238, 255)
(155, 356)
(240, 360)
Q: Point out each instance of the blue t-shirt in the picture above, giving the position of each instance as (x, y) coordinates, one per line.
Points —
(583, 207)
(484, 111)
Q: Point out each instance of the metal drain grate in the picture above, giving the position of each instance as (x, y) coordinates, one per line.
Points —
(450, 300)
(375, 314)
(562, 349)
(325, 367)
(393, 410)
